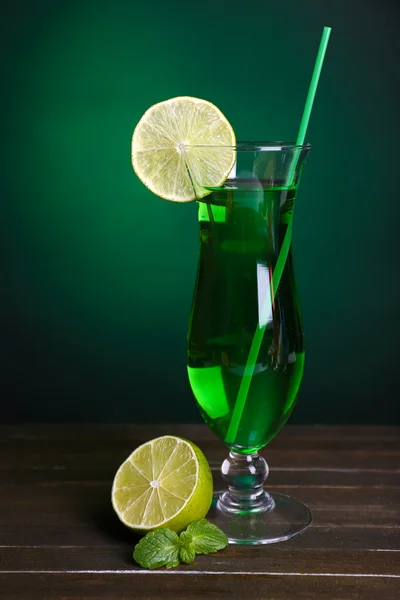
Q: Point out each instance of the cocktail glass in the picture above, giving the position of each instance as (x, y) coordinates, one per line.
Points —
(245, 342)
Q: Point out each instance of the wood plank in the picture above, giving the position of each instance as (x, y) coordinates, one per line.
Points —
(81, 447)
(104, 530)
(57, 514)
(194, 586)
(94, 495)
(310, 436)
(28, 527)
(110, 457)
(110, 534)
(279, 558)
(285, 476)
(198, 432)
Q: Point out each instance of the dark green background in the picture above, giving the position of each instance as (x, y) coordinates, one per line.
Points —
(97, 274)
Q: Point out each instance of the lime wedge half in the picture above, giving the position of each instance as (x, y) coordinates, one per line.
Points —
(166, 482)
(181, 147)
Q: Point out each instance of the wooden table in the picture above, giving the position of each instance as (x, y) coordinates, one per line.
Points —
(59, 538)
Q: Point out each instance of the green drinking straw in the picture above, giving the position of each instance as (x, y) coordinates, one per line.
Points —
(280, 263)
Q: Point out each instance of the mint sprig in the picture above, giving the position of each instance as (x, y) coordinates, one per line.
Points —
(164, 547)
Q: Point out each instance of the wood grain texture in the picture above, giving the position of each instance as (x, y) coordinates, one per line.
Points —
(194, 586)
(272, 558)
(59, 538)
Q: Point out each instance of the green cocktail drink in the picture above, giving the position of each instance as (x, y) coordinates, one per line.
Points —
(241, 232)
(245, 355)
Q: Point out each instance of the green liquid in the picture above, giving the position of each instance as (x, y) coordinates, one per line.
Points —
(241, 231)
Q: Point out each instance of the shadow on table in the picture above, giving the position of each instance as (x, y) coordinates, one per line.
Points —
(106, 525)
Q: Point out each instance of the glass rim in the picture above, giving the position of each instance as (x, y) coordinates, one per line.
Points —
(269, 146)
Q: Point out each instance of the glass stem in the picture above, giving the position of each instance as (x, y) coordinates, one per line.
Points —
(245, 475)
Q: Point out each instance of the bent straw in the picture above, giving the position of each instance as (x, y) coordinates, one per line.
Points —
(280, 263)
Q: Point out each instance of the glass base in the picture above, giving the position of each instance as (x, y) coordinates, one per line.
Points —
(283, 518)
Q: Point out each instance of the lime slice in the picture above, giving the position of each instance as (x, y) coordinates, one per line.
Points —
(166, 482)
(181, 147)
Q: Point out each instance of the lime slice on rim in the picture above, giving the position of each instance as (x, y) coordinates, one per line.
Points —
(166, 482)
(182, 145)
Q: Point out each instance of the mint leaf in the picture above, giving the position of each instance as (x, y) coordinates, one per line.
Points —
(186, 551)
(158, 548)
(203, 538)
